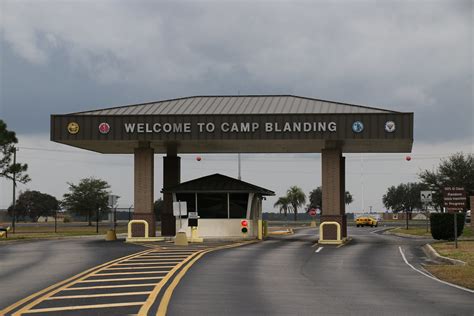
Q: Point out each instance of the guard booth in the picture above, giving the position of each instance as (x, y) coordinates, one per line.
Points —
(221, 202)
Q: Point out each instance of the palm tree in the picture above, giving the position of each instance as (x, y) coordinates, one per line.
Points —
(283, 204)
(296, 198)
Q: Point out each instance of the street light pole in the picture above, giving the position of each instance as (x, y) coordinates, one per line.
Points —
(97, 220)
(14, 190)
(55, 221)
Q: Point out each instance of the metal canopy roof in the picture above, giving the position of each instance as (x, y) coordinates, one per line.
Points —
(237, 124)
(217, 183)
(245, 104)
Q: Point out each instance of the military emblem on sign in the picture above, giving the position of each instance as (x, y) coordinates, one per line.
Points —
(357, 127)
(390, 126)
(104, 128)
(73, 128)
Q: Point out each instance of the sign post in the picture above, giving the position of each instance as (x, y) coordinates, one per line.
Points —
(180, 209)
(112, 204)
(426, 198)
(454, 201)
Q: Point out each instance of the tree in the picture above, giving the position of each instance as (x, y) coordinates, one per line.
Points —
(158, 207)
(283, 204)
(404, 197)
(88, 197)
(34, 204)
(456, 170)
(348, 199)
(296, 198)
(8, 168)
(316, 198)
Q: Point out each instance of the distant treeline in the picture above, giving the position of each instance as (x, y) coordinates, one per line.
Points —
(301, 217)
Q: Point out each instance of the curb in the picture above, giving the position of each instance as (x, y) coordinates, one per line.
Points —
(389, 232)
(281, 232)
(434, 255)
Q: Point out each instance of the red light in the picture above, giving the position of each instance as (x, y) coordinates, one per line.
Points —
(244, 223)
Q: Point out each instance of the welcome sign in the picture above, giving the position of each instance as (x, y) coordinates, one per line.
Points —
(230, 127)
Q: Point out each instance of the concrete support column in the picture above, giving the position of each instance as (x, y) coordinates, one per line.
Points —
(171, 176)
(143, 190)
(333, 187)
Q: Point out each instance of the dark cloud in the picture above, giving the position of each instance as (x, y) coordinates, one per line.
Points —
(404, 55)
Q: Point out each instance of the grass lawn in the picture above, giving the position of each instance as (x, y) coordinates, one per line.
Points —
(417, 231)
(461, 275)
(47, 231)
(421, 231)
(467, 232)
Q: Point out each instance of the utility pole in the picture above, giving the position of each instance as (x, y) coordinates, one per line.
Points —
(239, 177)
(97, 220)
(14, 190)
(55, 221)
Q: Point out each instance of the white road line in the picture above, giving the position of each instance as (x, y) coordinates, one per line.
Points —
(431, 277)
(319, 249)
(378, 230)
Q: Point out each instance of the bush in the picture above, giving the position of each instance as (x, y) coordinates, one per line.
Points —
(66, 219)
(442, 225)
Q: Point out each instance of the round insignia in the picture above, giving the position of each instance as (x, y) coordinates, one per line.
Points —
(73, 128)
(390, 126)
(357, 127)
(104, 128)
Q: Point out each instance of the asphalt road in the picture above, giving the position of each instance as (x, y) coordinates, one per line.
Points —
(27, 267)
(286, 276)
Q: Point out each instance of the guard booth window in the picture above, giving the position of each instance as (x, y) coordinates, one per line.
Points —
(212, 205)
(190, 200)
(238, 205)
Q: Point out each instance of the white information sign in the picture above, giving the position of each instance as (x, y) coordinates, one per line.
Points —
(113, 200)
(426, 196)
(180, 209)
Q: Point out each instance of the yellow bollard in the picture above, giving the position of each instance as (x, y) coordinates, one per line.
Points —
(313, 223)
(181, 239)
(260, 230)
(110, 235)
(194, 235)
(265, 229)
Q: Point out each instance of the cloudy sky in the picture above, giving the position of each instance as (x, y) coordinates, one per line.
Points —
(68, 56)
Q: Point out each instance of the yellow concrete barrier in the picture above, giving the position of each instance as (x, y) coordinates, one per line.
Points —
(111, 235)
(147, 237)
(330, 241)
(195, 236)
(181, 239)
(137, 221)
(260, 230)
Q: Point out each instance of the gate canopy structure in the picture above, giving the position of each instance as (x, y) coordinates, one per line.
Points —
(236, 124)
